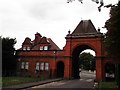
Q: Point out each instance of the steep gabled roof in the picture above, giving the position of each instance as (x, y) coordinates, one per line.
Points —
(44, 40)
(84, 27)
(53, 45)
(27, 40)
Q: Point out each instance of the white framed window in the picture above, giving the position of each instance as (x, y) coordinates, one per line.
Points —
(46, 66)
(27, 65)
(22, 65)
(45, 47)
(37, 65)
(41, 47)
(24, 48)
(42, 66)
(28, 48)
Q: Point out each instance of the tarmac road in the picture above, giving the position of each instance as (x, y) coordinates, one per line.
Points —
(86, 81)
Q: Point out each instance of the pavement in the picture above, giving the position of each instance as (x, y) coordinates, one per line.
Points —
(27, 85)
(86, 81)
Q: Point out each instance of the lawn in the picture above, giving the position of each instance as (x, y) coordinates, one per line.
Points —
(108, 85)
(7, 81)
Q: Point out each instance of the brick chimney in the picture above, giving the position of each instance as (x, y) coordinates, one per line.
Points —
(37, 38)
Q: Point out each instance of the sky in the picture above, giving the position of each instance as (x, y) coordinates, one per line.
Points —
(51, 18)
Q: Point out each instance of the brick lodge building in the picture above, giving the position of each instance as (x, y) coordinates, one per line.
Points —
(41, 57)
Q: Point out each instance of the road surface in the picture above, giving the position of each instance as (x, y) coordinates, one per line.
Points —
(86, 81)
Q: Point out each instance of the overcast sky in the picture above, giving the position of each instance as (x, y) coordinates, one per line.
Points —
(51, 18)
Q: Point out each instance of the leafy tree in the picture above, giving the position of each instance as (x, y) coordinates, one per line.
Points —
(87, 61)
(112, 40)
(8, 57)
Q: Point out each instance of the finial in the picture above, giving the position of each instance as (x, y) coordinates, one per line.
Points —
(69, 32)
(98, 29)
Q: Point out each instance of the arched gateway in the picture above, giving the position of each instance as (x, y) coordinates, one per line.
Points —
(42, 57)
(85, 36)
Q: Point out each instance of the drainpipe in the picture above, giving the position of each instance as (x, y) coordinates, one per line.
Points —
(55, 73)
(70, 55)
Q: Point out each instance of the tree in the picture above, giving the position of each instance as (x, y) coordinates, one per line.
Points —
(100, 2)
(8, 57)
(112, 40)
(87, 61)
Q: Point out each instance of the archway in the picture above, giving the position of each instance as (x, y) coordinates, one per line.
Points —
(60, 69)
(75, 59)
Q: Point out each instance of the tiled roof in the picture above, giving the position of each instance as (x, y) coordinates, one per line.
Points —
(41, 41)
(27, 40)
(84, 27)
(53, 45)
(44, 40)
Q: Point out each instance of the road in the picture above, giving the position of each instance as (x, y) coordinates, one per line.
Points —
(86, 81)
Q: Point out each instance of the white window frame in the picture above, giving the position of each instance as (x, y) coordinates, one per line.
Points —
(42, 66)
(41, 47)
(45, 47)
(46, 66)
(28, 48)
(24, 48)
(27, 65)
(22, 65)
(37, 65)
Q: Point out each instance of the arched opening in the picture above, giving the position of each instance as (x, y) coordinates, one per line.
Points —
(60, 69)
(76, 59)
(109, 72)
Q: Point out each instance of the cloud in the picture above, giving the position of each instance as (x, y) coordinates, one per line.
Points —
(51, 18)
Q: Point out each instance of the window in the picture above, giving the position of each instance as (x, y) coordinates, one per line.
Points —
(45, 47)
(46, 66)
(22, 65)
(42, 66)
(27, 65)
(28, 48)
(37, 65)
(24, 48)
(41, 47)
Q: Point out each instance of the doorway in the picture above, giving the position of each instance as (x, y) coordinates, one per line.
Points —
(60, 69)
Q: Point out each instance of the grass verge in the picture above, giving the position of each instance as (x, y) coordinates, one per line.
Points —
(8, 81)
(107, 85)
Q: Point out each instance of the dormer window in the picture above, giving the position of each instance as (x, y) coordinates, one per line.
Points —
(28, 48)
(45, 47)
(24, 48)
(41, 47)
